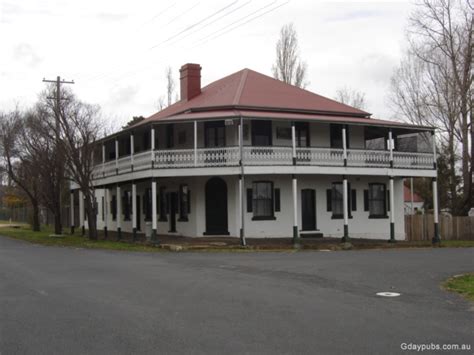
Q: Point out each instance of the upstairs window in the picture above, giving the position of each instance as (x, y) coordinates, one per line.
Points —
(336, 136)
(302, 134)
(169, 136)
(214, 134)
(261, 133)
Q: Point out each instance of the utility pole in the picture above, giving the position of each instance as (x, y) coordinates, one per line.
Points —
(57, 112)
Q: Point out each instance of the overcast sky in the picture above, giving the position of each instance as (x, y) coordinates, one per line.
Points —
(117, 51)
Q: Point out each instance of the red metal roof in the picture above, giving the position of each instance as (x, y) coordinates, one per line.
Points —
(251, 90)
(407, 196)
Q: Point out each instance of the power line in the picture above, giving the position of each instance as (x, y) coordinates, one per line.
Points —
(212, 22)
(195, 24)
(218, 33)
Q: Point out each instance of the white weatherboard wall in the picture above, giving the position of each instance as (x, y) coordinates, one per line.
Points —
(360, 225)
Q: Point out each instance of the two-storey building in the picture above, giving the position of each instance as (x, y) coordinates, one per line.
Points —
(251, 156)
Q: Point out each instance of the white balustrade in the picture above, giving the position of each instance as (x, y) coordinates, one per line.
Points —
(413, 160)
(142, 161)
(262, 156)
(319, 156)
(268, 155)
(368, 158)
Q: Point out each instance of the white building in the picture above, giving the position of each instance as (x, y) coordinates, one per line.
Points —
(250, 156)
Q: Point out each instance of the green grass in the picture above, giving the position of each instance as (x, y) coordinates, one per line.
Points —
(25, 233)
(462, 284)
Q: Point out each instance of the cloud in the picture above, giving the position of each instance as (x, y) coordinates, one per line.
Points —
(354, 15)
(111, 17)
(123, 95)
(25, 53)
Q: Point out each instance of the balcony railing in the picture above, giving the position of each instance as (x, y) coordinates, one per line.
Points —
(262, 156)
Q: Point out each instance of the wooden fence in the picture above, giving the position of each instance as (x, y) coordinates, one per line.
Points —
(421, 227)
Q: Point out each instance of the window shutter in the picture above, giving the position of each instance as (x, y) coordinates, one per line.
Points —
(329, 200)
(249, 200)
(277, 200)
(366, 200)
(388, 200)
(354, 200)
(189, 201)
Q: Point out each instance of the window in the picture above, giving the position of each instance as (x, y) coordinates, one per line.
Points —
(377, 200)
(146, 137)
(126, 202)
(169, 136)
(183, 203)
(334, 201)
(163, 205)
(262, 200)
(261, 133)
(214, 134)
(147, 201)
(336, 135)
(113, 207)
(302, 134)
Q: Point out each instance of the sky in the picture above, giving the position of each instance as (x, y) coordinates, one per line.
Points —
(117, 51)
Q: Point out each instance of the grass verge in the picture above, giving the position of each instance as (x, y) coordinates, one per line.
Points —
(24, 232)
(462, 284)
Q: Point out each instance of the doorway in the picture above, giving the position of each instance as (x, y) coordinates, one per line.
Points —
(216, 207)
(308, 209)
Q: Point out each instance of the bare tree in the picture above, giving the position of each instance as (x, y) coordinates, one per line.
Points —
(351, 97)
(81, 127)
(288, 66)
(170, 85)
(20, 167)
(434, 82)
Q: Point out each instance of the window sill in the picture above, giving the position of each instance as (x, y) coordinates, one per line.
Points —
(264, 218)
(378, 217)
(183, 220)
(126, 219)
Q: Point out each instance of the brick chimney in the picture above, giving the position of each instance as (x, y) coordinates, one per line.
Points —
(190, 81)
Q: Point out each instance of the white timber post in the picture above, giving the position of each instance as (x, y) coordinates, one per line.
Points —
(296, 238)
(195, 144)
(152, 146)
(390, 146)
(243, 241)
(293, 142)
(72, 211)
(132, 149)
(119, 213)
(392, 211)
(134, 210)
(345, 209)
(153, 212)
(344, 144)
(116, 155)
(81, 212)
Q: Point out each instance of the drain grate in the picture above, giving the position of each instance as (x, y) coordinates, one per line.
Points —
(388, 294)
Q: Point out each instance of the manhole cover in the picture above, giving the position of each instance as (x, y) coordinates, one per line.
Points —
(388, 294)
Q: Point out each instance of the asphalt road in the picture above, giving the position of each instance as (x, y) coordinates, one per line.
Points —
(76, 301)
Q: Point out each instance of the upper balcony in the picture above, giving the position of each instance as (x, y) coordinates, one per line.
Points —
(264, 143)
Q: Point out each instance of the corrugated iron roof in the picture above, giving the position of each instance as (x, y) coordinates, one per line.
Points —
(253, 90)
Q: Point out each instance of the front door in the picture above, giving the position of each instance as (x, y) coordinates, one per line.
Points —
(173, 208)
(308, 209)
(216, 207)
